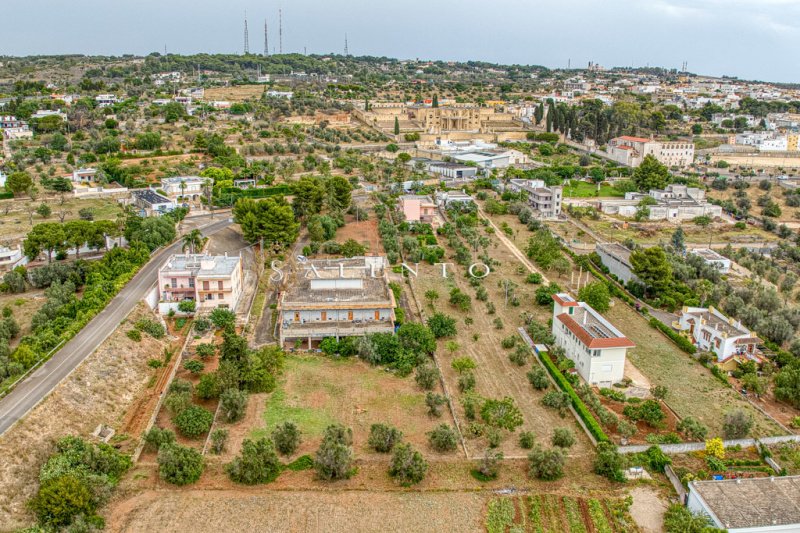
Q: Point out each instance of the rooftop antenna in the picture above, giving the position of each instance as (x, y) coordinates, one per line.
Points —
(280, 31)
(266, 39)
(246, 36)
(346, 51)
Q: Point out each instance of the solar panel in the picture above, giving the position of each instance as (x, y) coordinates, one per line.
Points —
(598, 332)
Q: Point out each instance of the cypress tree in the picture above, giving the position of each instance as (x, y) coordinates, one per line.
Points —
(435, 100)
(396, 126)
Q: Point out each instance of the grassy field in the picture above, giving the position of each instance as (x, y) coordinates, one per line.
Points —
(581, 189)
(316, 391)
(693, 390)
(658, 232)
(551, 513)
(15, 221)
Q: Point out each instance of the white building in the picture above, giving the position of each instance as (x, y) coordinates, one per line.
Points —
(187, 187)
(447, 198)
(597, 348)
(11, 258)
(763, 504)
(105, 100)
(720, 262)
(543, 199)
(209, 280)
(631, 151)
(83, 175)
(712, 331)
(151, 203)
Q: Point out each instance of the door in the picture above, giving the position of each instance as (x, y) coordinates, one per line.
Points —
(377, 315)
(324, 316)
(297, 316)
(350, 316)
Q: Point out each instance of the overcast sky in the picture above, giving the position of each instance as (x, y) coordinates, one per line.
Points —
(754, 39)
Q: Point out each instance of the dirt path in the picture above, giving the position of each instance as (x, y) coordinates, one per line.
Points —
(522, 258)
(648, 509)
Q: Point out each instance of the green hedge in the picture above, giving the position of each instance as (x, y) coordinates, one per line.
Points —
(257, 193)
(6, 195)
(577, 403)
(682, 342)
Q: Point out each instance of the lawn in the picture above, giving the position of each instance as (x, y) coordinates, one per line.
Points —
(582, 189)
(316, 391)
(693, 390)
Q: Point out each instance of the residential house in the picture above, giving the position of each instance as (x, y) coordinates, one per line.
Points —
(447, 198)
(10, 258)
(418, 208)
(674, 203)
(617, 259)
(337, 298)
(712, 331)
(10, 121)
(83, 175)
(106, 100)
(543, 199)
(209, 280)
(597, 348)
(184, 187)
(151, 203)
(631, 151)
(762, 504)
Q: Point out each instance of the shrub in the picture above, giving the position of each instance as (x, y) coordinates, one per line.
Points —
(488, 466)
(382, 438)
(546, 464)
(613, 394)
(692, 428)
(181, 385)
(737, 424)
(434, 403)
(563, 438)
(334, 457)
(286, 437)
(194, 366)
(466, 381)
(509, 342)
(520, 356)
(257, 463)
(538, 378)
(527, 439)
(648, 411)
(179, 465)
(501, 413)
(608, 462)
(716, 448)
(657, 459)
(193, 421)
(626, 429)
(205, 350)
(233, 404)
(534, 278)
(208, 387)
(462, 364)
(151, 327)
(186, 306)
(201, 325)
(134, 335)
(219, 438)
(557, 400)
(156, 437)
(443, 438)
(680, 519)
(222, 318)
(442, 325)
(177, 402)
(426, 376)
(407, 467)
(59, 500)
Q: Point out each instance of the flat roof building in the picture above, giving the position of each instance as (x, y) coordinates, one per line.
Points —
(210, 280)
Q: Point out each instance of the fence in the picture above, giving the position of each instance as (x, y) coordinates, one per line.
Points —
(685, 447)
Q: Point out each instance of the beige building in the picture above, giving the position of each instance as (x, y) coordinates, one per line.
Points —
(631, 151)
(209, 280)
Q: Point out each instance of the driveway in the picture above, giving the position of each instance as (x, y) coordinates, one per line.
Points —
(38, 385)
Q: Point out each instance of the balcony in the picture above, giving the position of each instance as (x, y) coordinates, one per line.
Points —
(319, 329)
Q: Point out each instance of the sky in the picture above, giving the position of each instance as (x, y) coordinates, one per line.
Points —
(751, 39)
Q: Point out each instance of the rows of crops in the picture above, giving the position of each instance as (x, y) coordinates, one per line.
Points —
(550, 513)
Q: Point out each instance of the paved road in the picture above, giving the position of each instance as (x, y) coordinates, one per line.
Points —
(37, 386)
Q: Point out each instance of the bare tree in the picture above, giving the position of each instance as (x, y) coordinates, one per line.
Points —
(62, 214)
(30, 209)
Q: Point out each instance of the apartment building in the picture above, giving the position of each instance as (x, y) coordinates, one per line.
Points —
(711, 331)
(631, 151)
(543, 199)
(210, 280)
(337, 298)
(597, 347)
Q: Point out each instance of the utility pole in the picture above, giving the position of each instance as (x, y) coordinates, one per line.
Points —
(346, 51)
(246, 36)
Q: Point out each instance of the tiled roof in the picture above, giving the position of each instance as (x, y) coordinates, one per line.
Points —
(630, 138)
(590, 341)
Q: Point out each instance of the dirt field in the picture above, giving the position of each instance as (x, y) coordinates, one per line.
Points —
(788, 214)
(299, 511)
(364, 232)
(23, 307)
(316, 391)
(99, 391)
(237, 93)
(693, 390)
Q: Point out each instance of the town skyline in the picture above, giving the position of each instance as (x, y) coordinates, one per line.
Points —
(666, 33)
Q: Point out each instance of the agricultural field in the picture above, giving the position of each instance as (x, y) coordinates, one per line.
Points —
(754, 192)
(234, 93)
(82, 401)
(610, 230)
(552, 513)
(693, 390)
(15, 219)
(316, 391)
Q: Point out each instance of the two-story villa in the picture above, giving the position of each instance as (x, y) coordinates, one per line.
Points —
(210, 280)
(597, 348)
(712, 331)
(418, 208)
(337, 298)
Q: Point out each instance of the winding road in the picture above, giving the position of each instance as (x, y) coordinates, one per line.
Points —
(38, 385)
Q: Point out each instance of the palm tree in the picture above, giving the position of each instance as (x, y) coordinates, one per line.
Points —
(193, 240)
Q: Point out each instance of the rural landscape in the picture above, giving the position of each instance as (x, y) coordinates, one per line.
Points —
(302, 292)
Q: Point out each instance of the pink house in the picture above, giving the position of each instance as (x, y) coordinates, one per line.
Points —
(209, 280)
(418, 208)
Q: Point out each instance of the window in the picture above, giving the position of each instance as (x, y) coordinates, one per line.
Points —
(209, 297)
(219, 285)
(221, 296)
(205, 286)
(706, 336)
(191, 283)
(174, 283)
